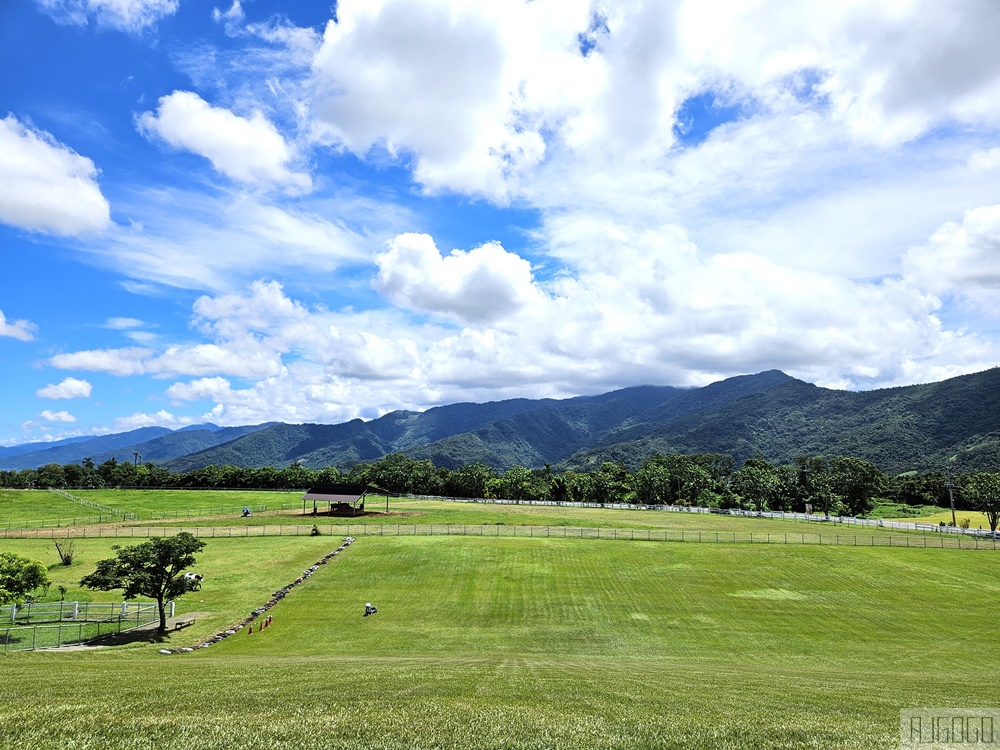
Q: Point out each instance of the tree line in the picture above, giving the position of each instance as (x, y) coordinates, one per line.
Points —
(831, 486)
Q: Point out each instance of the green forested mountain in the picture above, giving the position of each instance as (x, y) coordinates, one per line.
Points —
(63, 452)
(179, 443)
(769, 414)
(897, 429)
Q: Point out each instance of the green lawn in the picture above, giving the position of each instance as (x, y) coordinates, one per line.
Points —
(533, 643)
(975, 519)
(34, 505)
(220, 508)
(409, 512)
(158, 503)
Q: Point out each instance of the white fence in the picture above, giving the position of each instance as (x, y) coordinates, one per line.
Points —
(72, 622)
(44, 612)
(103, 509)
(810, 517)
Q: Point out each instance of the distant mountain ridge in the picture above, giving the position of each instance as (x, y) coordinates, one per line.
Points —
(770, 414)
(153, 444)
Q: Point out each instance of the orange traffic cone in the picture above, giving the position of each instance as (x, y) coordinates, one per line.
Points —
(250, 632)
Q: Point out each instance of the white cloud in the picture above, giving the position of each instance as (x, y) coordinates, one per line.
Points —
(483, 284)
(162, 418)
(437, 79)
(211, 388)
(57, 416)
(218, 243)
(962, 260)
(46, 186)
(22, 330)
(232, 19)
(123, 324)
(132, 16)
(497, 100)
(249, 150)
(68, 388)
(246, 358)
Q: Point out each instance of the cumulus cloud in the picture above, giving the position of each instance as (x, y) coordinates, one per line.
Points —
(46, 186)
(263, 308)
(161, 418)
(57, 416)
(436, 79)
(961, 260)
(22, 330)
(68, 388)
(249, 150)
(211, 388)
(133, 16)
(484, 95)
(486, 283)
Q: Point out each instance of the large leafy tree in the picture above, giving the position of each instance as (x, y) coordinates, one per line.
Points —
(18, 576)
(857, 482)
(154, 569)
(757, 481)
(652, 483)
(983, 493)
(472, 480)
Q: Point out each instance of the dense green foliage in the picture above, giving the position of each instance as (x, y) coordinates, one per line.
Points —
(19, 576)
(984, 496)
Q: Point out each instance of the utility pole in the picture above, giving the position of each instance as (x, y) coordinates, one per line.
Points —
(951, 495)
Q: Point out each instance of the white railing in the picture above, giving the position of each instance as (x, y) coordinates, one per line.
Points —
(104, 509)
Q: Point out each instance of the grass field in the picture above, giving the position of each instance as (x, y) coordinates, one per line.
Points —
(50, 509)
(220, 508)
(33, 505)
(530, 643)
(975, 519)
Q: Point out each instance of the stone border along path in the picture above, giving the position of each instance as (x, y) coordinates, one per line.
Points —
(276, 597)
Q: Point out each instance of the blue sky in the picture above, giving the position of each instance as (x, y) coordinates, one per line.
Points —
(259, 211)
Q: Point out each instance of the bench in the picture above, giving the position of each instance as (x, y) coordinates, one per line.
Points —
(183, 623)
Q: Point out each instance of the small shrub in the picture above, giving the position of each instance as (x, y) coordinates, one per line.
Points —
(964, 523)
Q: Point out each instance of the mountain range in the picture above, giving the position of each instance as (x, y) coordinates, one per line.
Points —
(771, 414)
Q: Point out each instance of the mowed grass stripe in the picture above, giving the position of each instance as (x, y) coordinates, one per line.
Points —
(465, 597)
(534, 643)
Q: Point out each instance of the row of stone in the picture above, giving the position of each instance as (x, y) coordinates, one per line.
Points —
(276, 597)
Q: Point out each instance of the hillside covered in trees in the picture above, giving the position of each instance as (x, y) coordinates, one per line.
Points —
(769, 415)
